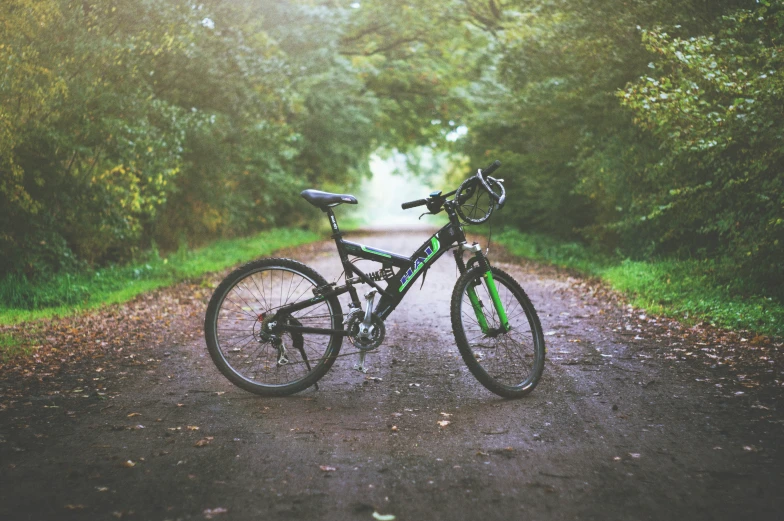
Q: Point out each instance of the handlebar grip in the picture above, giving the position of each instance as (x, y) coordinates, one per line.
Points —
(413, 204)
(492, 168)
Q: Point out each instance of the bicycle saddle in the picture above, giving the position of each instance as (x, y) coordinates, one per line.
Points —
(322, 200)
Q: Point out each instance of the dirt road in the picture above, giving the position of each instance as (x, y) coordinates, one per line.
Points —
(615, 430)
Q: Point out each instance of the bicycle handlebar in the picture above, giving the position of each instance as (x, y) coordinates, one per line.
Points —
(492, 168)
(480, 174)
(413, 204)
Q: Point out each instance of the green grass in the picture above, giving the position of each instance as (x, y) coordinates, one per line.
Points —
(691, 290)
(65, 294)
(11, 347)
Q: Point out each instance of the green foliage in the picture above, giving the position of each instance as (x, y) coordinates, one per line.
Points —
(564, 254)
(714, 105)
(91, 151)
(693, 290)
(649, 127)
(131, 121)
(11, 347)
(645, 127)
(24, 299)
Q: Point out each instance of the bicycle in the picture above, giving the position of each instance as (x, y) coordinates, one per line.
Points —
(275, 326)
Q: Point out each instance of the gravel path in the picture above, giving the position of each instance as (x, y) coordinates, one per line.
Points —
(612, 432)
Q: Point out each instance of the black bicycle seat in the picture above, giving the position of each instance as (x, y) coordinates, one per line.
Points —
(322, 200)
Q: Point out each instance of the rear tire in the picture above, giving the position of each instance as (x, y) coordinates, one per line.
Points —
(233, 319)
(509, 364)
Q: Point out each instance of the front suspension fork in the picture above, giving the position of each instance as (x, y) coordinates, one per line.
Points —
(476, 303)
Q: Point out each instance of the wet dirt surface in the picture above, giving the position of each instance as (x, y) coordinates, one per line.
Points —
(618, 428)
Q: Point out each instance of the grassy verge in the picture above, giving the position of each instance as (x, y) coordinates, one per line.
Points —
(21, 300)
(11, 347)
(685, 289)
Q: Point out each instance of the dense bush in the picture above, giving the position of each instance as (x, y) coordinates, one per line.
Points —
(649, 127)
(128, 121)
(714, 104)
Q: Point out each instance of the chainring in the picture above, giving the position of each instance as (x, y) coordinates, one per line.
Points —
(377, 332)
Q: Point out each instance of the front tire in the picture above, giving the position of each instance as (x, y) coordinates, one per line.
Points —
(232, 327)
(509, 364)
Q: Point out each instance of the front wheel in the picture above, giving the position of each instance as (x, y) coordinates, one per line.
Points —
(508, 359)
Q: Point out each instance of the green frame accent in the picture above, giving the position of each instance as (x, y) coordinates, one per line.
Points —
(435, 246)
(374, 252)
(499, 307)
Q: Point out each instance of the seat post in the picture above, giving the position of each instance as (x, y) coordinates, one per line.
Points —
(333, 222)
(341, 249)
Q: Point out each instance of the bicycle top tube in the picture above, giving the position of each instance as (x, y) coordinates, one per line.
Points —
(407, 269)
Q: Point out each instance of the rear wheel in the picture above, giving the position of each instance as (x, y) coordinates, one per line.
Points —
(508, 363)
(255, 361)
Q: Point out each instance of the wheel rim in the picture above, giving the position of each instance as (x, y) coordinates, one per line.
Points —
(509, 358)
(238, 326)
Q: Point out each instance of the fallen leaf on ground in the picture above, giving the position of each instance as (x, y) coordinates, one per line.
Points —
(208, 513)
(204, 441)
(192, 428)
(443, 423)
(134, 414)
(445, 414)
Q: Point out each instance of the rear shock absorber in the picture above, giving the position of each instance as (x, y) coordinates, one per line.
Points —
(384, 273)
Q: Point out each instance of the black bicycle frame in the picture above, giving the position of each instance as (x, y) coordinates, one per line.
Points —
(408, 270)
